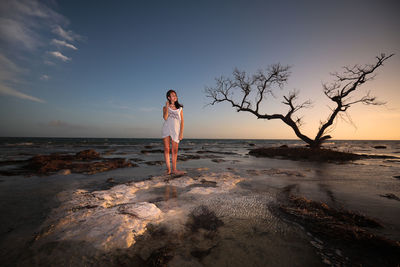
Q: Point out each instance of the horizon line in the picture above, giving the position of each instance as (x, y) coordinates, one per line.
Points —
(289, 139)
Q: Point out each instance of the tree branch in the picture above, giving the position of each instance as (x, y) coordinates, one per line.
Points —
(354, 77)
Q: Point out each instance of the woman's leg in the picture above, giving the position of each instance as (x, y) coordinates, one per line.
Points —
(166, 153)
(174, 153)
(175, 157)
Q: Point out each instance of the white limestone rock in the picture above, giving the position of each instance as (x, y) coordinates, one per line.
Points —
(114, 218)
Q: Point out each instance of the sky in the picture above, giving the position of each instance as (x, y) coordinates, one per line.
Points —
(102, 68)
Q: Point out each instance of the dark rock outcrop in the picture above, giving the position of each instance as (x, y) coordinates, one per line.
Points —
(301, 153)
(87, 154)
(86, 161)
(202, 218)
(340, 228)
(186, 157)
(216, 152)
(309, 154)
(391, 196)
(154, 162)
(152, 151)
(218, 160)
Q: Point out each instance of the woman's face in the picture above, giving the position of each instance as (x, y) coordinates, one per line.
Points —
(173, 98)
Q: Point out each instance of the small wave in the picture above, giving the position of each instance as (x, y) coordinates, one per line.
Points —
(21, 144)
(329, 143)
(155, 144)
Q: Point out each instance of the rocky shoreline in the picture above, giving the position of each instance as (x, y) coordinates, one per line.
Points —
(308, 154)
(132, 224)
(86, 161)
(344, 235)
(90, 161)
(155, 221)
(132, 221)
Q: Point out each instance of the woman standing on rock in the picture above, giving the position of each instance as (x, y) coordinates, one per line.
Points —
(172, 130)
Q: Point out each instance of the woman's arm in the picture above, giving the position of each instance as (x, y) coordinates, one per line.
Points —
(182, 124)
(165, 111)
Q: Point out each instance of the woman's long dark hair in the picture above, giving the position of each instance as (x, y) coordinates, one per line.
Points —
(177, 104)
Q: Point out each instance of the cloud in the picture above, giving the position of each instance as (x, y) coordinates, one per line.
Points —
(22, 22)
(25, 26)
(15, 32)
(9, 91)
(58, 55)
(31, 8)
(45, 77)
(9, 72)
(63, 43)
(48, 62)
(67, 35)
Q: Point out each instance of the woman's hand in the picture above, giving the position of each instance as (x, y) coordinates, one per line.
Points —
(165, 111)
(180, 136)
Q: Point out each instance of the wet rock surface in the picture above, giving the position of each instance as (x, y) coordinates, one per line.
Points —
(129, 225)
(339, 228)
(154, 162)
(200, 235)
(308, 154)
(202, 218)
(144, 151)
(276, 172)
(216, 152)
(196, 220)
(218, 160)
(136, 159)
(300, 153)
(86, 161)
(186, 157)
(391, 196)
(209, 183)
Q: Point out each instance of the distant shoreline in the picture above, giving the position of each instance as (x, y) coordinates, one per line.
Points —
(156, 138)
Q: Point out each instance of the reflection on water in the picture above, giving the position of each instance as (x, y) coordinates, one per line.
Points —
(168, 190)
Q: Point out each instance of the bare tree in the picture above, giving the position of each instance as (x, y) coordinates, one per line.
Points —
(261, 85)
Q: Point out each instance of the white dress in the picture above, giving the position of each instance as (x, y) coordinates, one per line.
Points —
(172, 125)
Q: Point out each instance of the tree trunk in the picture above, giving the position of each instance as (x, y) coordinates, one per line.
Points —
(316, 144)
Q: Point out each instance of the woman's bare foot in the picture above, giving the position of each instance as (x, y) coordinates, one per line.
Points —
(178, 172)
(166, 172)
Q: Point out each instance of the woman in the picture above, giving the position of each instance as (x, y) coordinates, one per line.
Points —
(172, 130)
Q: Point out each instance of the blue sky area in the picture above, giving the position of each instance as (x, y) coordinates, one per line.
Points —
(102, 68)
